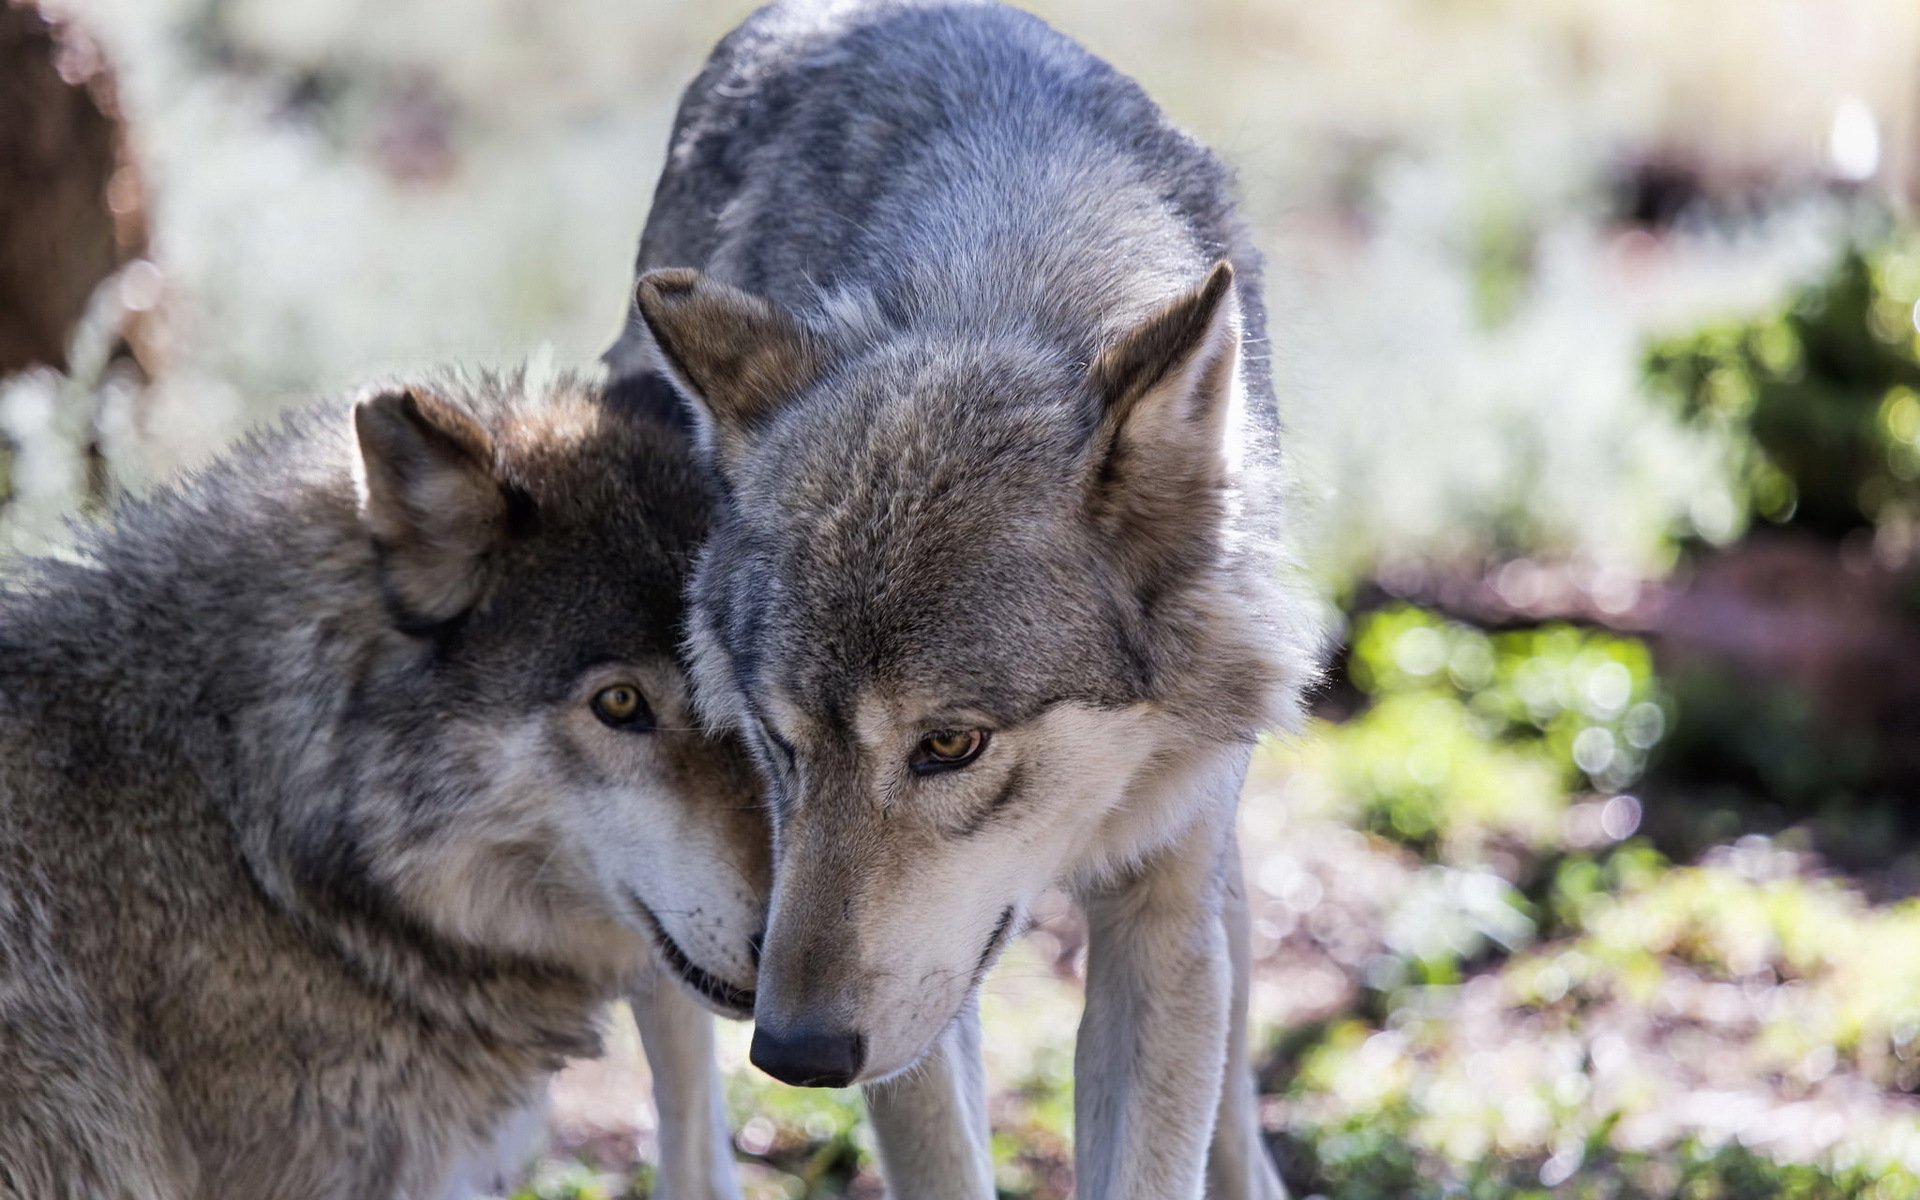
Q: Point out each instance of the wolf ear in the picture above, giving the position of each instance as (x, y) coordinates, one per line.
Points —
(1158, 454)
(432, 503)
(736, 356)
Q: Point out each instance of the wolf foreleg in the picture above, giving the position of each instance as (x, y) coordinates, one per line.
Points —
(696, 1141)
(931, 1122)
(1152, 1047)
(1239, 1167)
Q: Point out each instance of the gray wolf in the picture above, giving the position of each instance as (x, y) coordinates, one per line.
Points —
(342, 784)
(975, 340)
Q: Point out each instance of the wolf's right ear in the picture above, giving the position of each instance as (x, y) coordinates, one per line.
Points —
(1166, 388)
(736, 356)
(432, 502)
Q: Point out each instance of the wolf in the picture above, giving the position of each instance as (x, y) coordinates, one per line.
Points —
(975, 340)
(342, 784)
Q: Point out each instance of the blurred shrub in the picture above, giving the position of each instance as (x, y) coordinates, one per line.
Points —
(556, 1179)
(1584, 883)
(1819, 401)
(1552, 1075)
(1738, 740)
(1375, 1158)
(1855, 969)
(1476, 739)
(1033, 1127)
(1417, 768)
(1470, 753)
(1586, 699)
(815, 1137)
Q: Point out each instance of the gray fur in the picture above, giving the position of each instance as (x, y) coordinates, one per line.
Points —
(312, 861)
(976, 341)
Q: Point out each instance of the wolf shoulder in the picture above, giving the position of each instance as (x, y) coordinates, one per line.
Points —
(786, 88)
(819, 150)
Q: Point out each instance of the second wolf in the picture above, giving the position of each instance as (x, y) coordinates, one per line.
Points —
(339, 788)
(977, 344)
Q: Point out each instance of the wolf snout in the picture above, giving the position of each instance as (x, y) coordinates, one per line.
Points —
(808, 1056)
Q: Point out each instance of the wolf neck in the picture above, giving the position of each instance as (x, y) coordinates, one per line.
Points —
(224, 628)
(1002, 226)
(1050, 273)
(228, 598)
(210, 629)
(198, 601)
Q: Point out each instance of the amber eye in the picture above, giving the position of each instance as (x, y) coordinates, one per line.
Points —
(621, 706)
(945, 749)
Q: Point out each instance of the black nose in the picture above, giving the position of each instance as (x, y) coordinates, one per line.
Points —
(807, 1057)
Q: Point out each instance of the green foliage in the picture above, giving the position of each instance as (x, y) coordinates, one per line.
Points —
(1379, 1157)
(1033, 1135)
(1856, 968)
(1587, 698)
(1035, 1131)
(813, 1140)
(558, 1180)
(1818, 402)
(1493, 1089)
(1416, 768)
(1583, 884)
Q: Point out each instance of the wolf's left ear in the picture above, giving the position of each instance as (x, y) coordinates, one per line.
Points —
(432, 504)
(1165, 388)
(735, 355)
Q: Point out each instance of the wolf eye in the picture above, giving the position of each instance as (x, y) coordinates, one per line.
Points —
(621, 706)
(945, 749)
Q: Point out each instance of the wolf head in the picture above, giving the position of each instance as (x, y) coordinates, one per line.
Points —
(526, 774)
(966, 600)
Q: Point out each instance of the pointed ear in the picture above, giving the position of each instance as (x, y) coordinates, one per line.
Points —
(1165, 390)
(736, 356)
(432, 503)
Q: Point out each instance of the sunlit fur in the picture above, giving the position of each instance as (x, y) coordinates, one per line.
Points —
(313, 856)
(977, 343)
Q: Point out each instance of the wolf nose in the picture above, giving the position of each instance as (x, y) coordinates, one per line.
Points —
(807, 1057)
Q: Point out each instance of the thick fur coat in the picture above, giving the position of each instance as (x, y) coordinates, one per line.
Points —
(341, 784)
(975, 339)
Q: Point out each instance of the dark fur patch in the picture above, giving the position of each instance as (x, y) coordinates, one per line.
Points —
(717, 991)
(650, 396)
(1162, 343)
(1001, 802)
(1002, 932)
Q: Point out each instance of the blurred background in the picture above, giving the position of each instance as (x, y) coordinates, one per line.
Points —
(1595, 322)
